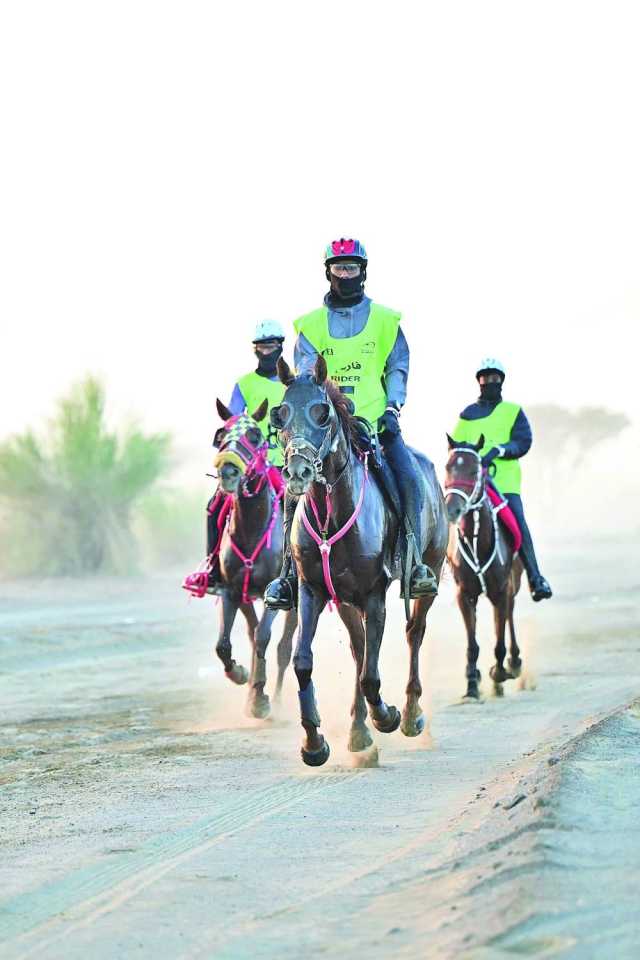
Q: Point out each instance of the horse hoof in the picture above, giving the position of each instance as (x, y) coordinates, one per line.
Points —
(365, 759)
(472, 696)
(237, 674)
(413, 727)
(359, 739)
(389, 723)
(498, 690)
(258, 706)
(499, 674)
(315, 758)
(515, 666)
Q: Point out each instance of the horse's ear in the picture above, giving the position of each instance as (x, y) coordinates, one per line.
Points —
(261, 412)
(320, 370)
(224, 412)
(284, 372)
(480, 443)
(451, 442)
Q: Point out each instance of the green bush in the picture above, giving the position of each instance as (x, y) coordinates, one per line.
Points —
(170, 528)
(67, 499)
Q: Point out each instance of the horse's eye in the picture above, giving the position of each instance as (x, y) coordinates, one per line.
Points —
(218, 437)
(320, 414)
(254, 436)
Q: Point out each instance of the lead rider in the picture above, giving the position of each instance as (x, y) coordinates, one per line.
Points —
(367, 355)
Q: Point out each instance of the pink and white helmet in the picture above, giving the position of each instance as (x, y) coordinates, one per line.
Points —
(344, 249)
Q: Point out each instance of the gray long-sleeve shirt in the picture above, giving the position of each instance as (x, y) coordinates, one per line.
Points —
(349, 322)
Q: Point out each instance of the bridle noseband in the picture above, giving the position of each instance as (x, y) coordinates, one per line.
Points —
(235, 447)
(469, 549)
(302, 447)
(477, 486)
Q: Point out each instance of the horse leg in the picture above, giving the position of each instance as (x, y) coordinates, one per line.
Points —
(412, 715)
(498, 673)
(257, 701)
(385, 718)
(235, 672)
(315, 749)
(359, 736)
(284, 650)
(467, 604)
(514, 662)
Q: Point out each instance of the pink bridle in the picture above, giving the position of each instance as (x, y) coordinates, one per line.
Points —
(257, 466)
(325, 543)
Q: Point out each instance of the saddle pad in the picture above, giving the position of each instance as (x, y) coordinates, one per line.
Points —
(506, 517)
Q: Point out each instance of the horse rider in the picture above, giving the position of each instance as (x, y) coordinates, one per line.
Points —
(507, 438)
(248, 393)
(368, 357)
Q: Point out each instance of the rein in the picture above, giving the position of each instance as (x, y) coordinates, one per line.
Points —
(474, 501)
(322, 540)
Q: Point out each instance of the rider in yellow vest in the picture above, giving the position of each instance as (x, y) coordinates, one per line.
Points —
(507, 437)
(368, 357)
(248, 393)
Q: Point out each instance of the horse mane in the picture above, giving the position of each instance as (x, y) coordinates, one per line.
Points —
(342, 405)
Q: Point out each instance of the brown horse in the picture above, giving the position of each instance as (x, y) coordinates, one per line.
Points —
(482, 561)
(250, 551)
(342, 541)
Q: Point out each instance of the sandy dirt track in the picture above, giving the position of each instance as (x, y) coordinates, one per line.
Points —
(143, 815)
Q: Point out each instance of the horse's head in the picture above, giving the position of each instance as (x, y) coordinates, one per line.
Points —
(242, 447)
(308, 425)
(464, 484)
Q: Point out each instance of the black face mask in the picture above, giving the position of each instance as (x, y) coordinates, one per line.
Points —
(267, 362)
(491, 392)
(349, 290)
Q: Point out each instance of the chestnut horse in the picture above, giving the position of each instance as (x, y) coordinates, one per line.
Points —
(250, 550)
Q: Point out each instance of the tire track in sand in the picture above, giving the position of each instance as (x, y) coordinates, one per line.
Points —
(86, 894)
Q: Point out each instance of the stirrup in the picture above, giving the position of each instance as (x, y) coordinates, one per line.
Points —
(422, 582)
(200, 583)
(280, 594)
(422, 579)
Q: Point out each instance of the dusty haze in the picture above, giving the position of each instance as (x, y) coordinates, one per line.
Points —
(171, 173)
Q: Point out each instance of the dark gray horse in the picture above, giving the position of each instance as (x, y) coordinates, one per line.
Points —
(343, 539)
(250, 551)
(482, 559)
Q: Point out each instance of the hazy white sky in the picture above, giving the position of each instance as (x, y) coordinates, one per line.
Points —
(172, 171)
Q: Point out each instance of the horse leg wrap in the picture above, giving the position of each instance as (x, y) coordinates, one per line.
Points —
(379, 710)
(260, 671)
(308, 709)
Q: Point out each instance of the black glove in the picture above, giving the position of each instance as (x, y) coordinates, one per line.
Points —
(388, 422)
(489, 457)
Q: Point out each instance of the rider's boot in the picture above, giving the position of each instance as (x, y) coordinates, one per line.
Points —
(207, 578)
(422, 580)
(539, 587)
(282, 593)
(214, 578)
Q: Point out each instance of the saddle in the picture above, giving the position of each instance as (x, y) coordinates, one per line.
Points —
(367, 441)
(506, 516)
